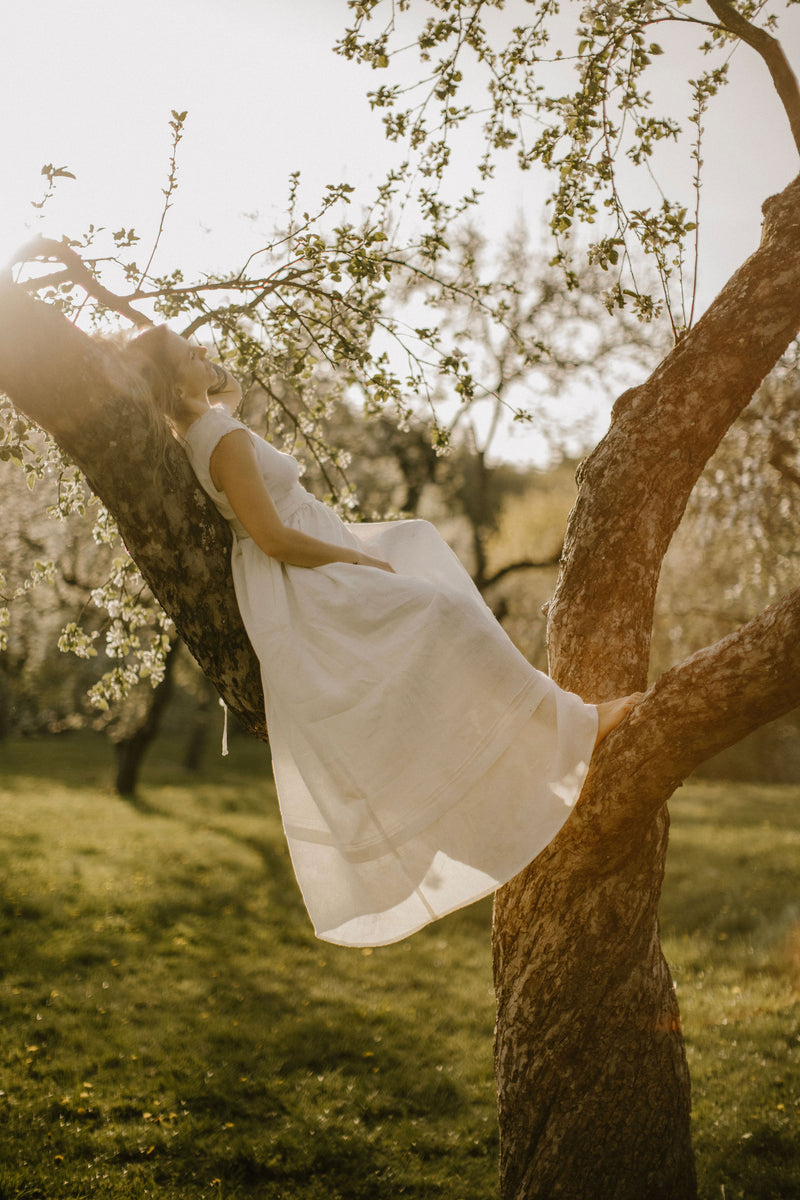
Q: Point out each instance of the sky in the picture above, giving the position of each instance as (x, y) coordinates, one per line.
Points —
(89, 84)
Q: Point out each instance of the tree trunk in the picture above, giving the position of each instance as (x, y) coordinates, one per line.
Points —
(592, 1081)
(595, 1103)
(130, 750)
(198, 734)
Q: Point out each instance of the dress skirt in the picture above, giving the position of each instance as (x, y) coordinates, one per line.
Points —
(420, 760)
(438, 775)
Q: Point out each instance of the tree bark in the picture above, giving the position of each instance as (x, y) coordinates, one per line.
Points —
(635, 484)
(593, 1086)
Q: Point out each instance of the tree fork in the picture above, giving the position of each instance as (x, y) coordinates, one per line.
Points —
(593, 1085)
(598, 1103)
(635, 484)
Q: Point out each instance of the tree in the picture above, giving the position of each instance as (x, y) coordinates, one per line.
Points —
(49, 566)
(548, 338)
(593, 1085)
(70, 552)
(735, 552)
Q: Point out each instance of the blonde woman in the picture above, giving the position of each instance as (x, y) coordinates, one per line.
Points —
(420, 760)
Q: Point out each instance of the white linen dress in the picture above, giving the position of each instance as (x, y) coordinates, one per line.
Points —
(420, 760)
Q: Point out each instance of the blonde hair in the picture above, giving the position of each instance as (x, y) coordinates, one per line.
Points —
(151, 348)
(141, 367)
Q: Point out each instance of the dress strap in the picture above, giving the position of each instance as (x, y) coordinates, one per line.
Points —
(224, 728)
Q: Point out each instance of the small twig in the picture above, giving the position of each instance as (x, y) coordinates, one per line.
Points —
(698, 156)
(268, 282)
(176, 125)
(209, 315)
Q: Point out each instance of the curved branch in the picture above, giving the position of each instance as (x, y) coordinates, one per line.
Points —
(78, 272)
(634, 486)
(772, 53)
(524, 564)
(698, 708)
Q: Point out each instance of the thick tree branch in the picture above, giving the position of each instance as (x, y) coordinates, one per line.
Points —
(634, 487)
(771, 51)
(700, 707)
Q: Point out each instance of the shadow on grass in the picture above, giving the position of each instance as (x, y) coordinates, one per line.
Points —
(169, 1018)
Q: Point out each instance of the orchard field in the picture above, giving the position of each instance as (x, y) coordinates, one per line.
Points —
(170, 1027)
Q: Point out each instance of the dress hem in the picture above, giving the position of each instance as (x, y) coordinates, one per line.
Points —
(480, 760)
(469, 895)
(462, 902)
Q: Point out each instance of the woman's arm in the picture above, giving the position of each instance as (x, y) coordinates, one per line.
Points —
(235, 472)
(226, 391)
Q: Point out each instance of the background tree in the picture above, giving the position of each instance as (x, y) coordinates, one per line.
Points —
(537, 341)
(53, 562)
(736, 551)
(49, 565)
(592, 1080)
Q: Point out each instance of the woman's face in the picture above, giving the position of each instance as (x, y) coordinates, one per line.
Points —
(193, 373)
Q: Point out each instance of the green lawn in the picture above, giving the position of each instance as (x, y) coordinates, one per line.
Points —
(170, 1027)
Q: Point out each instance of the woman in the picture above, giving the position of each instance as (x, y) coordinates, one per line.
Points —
(420, 760)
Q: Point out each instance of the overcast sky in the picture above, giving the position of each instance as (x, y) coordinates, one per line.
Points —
(89, 84)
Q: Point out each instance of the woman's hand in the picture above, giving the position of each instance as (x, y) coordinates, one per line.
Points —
(220, 383)
(224, 388)
(366, 560)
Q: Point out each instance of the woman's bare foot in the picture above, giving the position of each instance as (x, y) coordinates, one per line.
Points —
(612, 712)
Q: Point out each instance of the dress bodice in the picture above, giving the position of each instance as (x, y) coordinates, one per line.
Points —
(280, 472)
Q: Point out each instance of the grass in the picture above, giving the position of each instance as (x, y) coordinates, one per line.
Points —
(730, 916)
(169, 1026)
